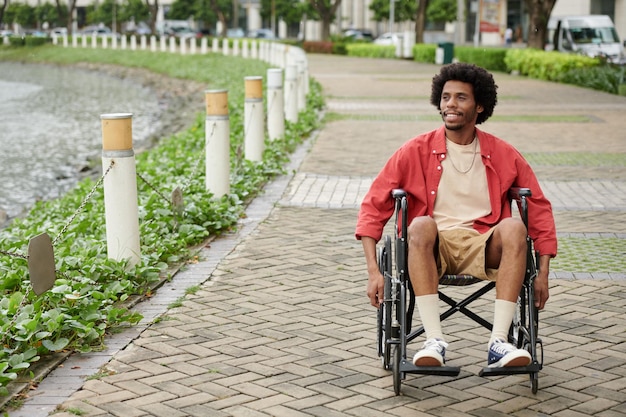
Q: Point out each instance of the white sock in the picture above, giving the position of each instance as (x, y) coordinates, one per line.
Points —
(428, 308)
(502, 319)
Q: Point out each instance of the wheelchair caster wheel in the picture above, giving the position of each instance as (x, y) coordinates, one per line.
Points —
(534, 382)
(397, 376)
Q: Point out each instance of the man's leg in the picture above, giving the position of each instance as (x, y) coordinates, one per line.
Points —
(506, 251)
(422, 238)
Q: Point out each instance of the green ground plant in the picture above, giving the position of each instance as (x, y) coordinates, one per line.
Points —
(91, 293)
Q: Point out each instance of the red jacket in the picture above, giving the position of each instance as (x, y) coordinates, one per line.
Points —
(416, 168)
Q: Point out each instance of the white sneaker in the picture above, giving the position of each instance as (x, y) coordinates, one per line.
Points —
(502, 354)
(433, 353)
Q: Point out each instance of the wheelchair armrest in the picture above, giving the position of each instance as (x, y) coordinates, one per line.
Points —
(516, 193)
(398, 193)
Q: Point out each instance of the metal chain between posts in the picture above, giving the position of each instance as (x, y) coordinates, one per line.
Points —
(149, 184)
(83, 203)
(196, 166)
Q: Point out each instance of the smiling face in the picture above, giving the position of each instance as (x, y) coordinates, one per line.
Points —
(459, 109)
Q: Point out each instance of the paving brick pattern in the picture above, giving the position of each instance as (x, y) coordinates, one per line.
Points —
(281, 325)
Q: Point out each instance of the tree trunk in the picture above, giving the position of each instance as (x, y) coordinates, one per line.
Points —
(154, 13)
(539, 12)
(420, 20)
(5, 3)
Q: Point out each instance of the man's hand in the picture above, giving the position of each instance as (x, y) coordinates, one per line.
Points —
(375, 288)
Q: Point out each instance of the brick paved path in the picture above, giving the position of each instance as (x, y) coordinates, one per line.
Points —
(281, 325)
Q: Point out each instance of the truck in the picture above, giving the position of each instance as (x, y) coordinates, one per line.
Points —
(592, 35)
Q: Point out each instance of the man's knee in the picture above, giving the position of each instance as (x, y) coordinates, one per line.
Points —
(422, 232)
(511, 233)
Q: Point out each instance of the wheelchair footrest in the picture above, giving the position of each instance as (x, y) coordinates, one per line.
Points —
(513, 370)
(408, 367)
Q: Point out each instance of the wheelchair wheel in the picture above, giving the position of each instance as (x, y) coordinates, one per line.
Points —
(385, 309)
(534, 382)
(397, 376)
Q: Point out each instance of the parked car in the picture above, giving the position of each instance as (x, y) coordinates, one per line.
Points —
(235, 33)
(262, 34)
(388, 38)
(358, 34)
(59, 31)
(181, 32)
(6, 33)
(100, 30)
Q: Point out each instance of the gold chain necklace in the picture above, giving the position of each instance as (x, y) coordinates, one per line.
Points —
(473, 156)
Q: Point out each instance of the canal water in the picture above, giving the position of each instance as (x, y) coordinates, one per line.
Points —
(50, 127)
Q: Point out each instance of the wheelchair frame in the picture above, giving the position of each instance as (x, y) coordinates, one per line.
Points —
(395, 314)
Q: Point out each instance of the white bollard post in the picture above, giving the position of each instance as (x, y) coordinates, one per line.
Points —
(225, 46)
(133, 43)
(291, 93)
(244, 48)
(114, 42)
(104, 42)
(120, 188)
(172, 44)
(254, 116)
(254, 49)
(192, 46)
(183, 46)
(301, 86)
(217, 143)
(65, 41)
(143, 42)
(94, 41)
(275, 104)
(124, 43)
(235, 47)
(203, 45)
(162, 42)
(153, 43)
(215, 45)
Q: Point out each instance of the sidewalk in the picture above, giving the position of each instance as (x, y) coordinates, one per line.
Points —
(280, 324)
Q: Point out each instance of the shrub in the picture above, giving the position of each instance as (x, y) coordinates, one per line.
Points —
(491, 59)
(318, 47)
(545, 65)
(423, 52)
(604, 78)
(370, 50)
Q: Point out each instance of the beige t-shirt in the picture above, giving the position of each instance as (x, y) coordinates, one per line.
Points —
(463, 195)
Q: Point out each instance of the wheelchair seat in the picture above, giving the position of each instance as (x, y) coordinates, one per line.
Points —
(396, 312)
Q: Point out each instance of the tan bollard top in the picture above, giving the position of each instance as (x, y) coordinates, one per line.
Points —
(216, 102)
(117, 131)
(254, 87)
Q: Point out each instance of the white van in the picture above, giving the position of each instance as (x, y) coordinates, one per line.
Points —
(592, 35)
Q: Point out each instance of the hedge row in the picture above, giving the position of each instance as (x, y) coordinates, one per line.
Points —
(551, 66)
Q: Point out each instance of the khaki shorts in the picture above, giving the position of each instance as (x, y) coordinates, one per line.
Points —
(462, 252)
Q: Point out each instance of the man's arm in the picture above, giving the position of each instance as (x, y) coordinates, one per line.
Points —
(375, 282)
(541, 282)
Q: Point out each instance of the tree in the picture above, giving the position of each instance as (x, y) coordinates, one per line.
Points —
(47, 13)
(290, 11)
(441, 11)
(539, 13)
(5, 3)
(403, 10)
(420, 20)
(70, 8)
(133, 10)
(325, 11)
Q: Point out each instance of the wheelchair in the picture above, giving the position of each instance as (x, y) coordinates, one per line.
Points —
(394, 316)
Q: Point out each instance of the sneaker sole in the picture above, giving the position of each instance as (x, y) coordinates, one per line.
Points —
(515, 362)
(426, 361)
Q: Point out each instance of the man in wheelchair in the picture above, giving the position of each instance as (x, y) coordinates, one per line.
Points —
(456, 180)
